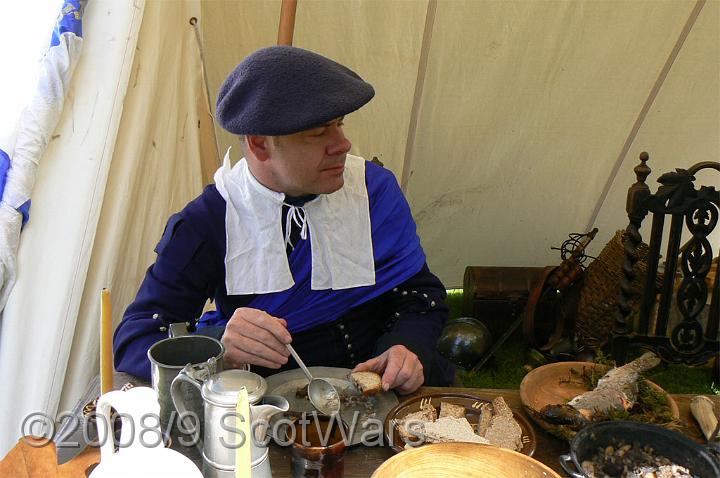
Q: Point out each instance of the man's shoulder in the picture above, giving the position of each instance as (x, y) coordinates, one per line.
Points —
(206, 209)
(382, 186)
(379, 180)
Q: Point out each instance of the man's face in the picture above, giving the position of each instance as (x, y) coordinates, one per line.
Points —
(308, 162)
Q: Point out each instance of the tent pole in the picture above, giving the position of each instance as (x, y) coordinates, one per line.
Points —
(287, 22)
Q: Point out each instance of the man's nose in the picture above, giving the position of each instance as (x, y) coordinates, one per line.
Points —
(339, 144)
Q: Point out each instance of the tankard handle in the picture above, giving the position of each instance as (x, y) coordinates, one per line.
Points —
(186, 376)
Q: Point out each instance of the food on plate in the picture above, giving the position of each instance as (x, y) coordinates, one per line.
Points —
(485, 419)
(616, 391)
(496, 425)
(369, 383)
(632, 461)
(412, 425)
(302, 392)
(447, 429)
(448, 409)
(503, 431)
(350, 398)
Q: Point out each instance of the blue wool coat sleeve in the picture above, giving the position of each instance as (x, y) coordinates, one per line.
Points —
(419, 315)
(175, 287)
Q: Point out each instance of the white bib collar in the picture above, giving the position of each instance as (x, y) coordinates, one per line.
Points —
(339, 226)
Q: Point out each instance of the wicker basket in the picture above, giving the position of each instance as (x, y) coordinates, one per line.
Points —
(598, 297)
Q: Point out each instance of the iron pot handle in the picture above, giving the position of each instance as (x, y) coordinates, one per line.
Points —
(565, 461)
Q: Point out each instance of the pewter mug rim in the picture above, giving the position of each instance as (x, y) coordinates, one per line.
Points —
(216, 357)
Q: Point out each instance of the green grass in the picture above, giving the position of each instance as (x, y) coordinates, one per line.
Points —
(454, 301)
(681, 379)
(510, 364)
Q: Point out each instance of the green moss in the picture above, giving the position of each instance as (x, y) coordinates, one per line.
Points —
(652, 407)
(506, 371)
(455, 302)
(508, 367)
(682, 379)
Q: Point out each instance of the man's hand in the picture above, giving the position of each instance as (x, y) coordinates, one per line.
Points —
(255, 337)
(400, 369)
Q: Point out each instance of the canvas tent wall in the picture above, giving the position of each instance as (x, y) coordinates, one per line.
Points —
(504, 121)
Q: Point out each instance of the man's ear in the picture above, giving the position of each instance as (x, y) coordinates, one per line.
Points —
(258, 145)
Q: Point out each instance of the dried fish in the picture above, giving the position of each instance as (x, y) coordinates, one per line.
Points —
(616, 390)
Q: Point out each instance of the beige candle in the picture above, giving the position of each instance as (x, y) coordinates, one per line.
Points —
(106, 361)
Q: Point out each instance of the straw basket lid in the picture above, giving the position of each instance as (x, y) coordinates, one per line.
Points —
(469, 460)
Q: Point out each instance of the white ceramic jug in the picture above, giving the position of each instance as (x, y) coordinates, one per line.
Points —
(141, 453)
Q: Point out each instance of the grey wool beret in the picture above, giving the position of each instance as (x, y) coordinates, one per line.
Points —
(282, 90)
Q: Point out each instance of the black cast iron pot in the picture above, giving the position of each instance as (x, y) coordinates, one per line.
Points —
(672, 445)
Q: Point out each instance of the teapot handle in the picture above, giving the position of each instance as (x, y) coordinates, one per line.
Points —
(179, 402)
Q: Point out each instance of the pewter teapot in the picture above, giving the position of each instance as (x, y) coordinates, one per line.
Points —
(220, 393)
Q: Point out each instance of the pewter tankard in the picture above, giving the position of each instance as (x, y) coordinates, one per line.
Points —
(168, 357)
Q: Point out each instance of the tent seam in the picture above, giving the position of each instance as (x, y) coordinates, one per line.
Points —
(419, 85)
(652, 95)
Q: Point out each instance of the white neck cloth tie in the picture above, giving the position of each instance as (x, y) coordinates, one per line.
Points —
(296, 214)
(338, 225)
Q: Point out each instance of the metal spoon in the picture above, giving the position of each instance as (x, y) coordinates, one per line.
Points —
(321, 393)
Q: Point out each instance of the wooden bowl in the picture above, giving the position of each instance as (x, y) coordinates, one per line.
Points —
(555, 384)
(468, 460)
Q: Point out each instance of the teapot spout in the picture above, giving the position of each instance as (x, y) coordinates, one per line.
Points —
(268, 406)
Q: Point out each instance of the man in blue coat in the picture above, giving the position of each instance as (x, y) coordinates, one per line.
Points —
(298, 242)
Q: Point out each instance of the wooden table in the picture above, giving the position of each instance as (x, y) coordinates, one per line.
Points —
(361, 461)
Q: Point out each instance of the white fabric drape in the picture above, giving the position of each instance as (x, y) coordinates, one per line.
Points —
(165, 132)
(39, 320)
(37, 122)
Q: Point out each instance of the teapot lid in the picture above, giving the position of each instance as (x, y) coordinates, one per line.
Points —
(222, 388)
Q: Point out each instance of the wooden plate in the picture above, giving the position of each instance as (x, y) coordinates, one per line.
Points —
(468, 460)
(555, 383)
(472, 413)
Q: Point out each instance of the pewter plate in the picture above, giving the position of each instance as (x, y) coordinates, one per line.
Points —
(366, 426)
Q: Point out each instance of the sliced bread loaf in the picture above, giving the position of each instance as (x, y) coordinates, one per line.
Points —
(369, 383)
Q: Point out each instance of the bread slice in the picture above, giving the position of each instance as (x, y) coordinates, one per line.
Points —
(500, 427)
(429, 412)
(412, 427)
(451, 429)
(485, 419)
(505, 433)
(369, 383)
(500, 408)
(413, 424)
(451, 410)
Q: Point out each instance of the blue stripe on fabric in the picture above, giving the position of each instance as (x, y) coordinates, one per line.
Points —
(4, 168)
(69, 20)
(25, 211)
